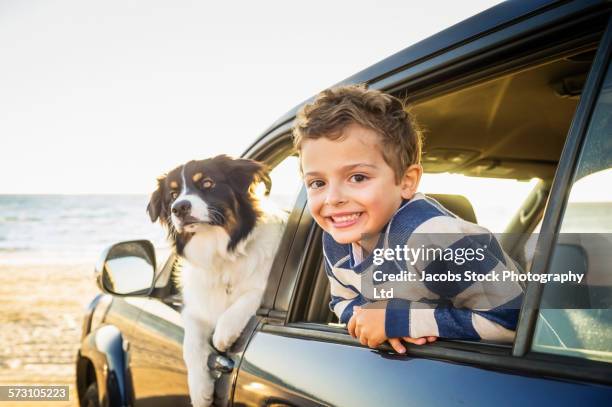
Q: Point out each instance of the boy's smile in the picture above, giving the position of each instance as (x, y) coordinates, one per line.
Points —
(352, 190)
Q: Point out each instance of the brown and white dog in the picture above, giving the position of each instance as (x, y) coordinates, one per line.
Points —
(227, 243)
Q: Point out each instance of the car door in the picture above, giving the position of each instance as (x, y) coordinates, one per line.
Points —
(158, 373)
(297, 357)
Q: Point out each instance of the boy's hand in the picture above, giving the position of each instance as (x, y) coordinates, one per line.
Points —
(368, 325)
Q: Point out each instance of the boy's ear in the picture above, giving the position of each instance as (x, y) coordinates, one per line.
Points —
(410, 181)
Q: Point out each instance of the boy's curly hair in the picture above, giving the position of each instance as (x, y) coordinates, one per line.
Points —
(336, 108)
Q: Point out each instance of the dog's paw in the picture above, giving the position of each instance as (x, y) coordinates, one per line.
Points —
(222, 341)
(225, 335)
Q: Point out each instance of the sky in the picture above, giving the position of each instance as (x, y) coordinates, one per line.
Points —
(104, 96)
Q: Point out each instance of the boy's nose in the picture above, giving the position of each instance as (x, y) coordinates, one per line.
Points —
(334, 196)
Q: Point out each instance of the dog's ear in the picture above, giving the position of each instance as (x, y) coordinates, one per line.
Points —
(244, 172)
(156, 205)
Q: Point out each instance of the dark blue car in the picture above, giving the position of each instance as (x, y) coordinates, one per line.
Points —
(516, 104)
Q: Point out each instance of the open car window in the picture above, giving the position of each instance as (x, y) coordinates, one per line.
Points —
(285, 183)
(490, 153)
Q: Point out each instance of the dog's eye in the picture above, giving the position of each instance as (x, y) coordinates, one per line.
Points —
(208, 183)
(174, 194)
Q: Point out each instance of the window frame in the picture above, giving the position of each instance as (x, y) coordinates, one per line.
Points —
(449, 70)
(272, 149)
(562, 184)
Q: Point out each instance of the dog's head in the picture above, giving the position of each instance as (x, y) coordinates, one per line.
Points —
(216, 192)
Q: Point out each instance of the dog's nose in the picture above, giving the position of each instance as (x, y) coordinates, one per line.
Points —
(181, 208)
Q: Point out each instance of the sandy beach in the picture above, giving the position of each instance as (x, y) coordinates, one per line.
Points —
(41, 311)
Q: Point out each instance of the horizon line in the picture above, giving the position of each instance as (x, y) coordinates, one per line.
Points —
(73, 193)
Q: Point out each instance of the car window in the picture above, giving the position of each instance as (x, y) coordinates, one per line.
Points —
(584, 328)
(495, 144)
(286, 183)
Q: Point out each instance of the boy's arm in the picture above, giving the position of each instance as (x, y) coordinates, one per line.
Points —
(344, 308)
(346, 303)
(473, 310)
(405, 318)
(343, 298)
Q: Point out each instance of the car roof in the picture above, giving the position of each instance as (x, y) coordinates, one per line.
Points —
(493, 18)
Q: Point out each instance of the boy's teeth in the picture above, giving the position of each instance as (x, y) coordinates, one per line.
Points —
(345, 218)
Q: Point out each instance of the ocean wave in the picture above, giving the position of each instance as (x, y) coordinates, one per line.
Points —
(14, 249)
(10, 219)
(68, 228)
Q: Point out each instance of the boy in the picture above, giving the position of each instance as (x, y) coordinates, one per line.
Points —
(360, 157)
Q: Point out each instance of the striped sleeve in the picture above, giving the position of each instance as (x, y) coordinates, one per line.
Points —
(405, 318)
(465, 309)
(343, 298)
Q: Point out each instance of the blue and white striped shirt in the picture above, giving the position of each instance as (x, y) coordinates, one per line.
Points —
(459, 309)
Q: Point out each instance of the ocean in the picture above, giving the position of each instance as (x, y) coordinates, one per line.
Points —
(61, 229)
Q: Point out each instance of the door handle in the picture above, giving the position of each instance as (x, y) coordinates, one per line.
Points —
(219, 364)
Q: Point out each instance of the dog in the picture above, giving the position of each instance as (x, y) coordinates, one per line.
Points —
(227, 243)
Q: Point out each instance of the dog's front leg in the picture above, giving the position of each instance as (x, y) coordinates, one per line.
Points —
(196, 350)
(231, 323)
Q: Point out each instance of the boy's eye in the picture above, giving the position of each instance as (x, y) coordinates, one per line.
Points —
(358, 178)
(316, 184)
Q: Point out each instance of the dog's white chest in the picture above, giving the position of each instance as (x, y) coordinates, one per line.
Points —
(226, 281)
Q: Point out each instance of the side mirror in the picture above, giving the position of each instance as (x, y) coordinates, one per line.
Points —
(127, 268)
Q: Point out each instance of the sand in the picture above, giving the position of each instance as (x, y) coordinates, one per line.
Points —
(41, 312)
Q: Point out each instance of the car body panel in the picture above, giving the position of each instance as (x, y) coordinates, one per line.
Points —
(285, 370)
(157, 352)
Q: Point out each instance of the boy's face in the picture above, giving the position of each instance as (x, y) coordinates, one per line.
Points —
(351, 189)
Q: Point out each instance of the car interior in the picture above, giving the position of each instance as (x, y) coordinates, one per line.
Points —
(510, 127)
